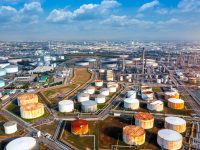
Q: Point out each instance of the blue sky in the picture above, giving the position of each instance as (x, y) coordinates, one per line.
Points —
(99, 19)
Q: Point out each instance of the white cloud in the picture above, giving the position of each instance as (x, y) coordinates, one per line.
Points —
(127, 21)
(149, 5)
(7, 13)
(170, 21)
(84, 12)
(28, 14)
(189, 5)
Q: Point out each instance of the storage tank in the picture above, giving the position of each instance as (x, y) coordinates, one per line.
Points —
(10, 127)
(2, 83)
(79, 127)
(175, 123)
(83, 97)
(90, 90)
(82, 63)
(171, 94)
(192, 80)
(66, 106)
(146, 88)
(89, 106)
(144, 120)
(101, 70)
(156, 105)
(131, 103)
(175, 103)
(47, 58)
(131, 94)
(98, 83)
(169, 139)
(158, 81)
(109, 84)
(31, 111)
(133, 135)
(27, 98)
(22, 143)
(112, 89)
(90, 59)
(2, 72)
(100, 99)
(11, 69)
(148, 95)
(104, 91)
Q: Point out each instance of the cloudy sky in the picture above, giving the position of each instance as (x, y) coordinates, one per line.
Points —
(99, 19)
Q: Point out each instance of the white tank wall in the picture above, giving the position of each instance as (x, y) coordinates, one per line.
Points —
(65, 106)
(10, 129)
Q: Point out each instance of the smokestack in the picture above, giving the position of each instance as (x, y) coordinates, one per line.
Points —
(143, 55)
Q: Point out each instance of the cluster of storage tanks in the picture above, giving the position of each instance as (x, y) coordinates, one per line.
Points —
(88, 105)
(173, 100)
(168, 138)
(132, 103)
(30, 108)
(147, 93)
(135, 134)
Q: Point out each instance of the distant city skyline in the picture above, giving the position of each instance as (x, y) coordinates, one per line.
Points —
(99, 20)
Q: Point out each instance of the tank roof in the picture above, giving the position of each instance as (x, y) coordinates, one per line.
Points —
(131, 100)
(133, 131)
(27, 96)
(10, 123)
(22, 143)
(175, 120)
(144, 116)
(175, 100)
(66, 102)
(31, 106)
(89, 103)
(169, 135)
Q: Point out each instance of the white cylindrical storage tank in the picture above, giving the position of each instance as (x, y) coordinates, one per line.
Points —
(66, 106)
(100, 99)
(131, 103)
(98, 83)
(82, 63)
(104, 91)
(2, 72)
(47, 58)
(90, 90)
(22, 143)
(89, 106)
(147, 96)
(10, 127)
(2, 83)
(131, 94)
(83, 97)
(101, 70)
(90, 59)
(158, 81)
(175, 123)
(156, 106)
(109, 84)
(112, 89)
(169, 139)
(11, 69)
(121, 78)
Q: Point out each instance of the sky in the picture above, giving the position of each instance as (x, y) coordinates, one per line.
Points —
(99, 20)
